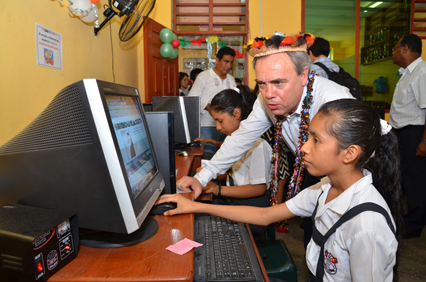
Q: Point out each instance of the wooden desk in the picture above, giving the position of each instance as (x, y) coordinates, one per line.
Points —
(146, 261)
(192, 162)
(149, 260)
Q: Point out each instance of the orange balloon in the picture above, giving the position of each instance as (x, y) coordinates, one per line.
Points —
(94, 1)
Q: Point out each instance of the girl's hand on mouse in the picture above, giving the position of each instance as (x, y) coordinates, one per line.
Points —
(184, 205)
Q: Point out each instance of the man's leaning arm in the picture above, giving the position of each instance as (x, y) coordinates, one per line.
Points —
(236, 144)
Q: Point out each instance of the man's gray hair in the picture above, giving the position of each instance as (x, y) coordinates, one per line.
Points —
(300, 60)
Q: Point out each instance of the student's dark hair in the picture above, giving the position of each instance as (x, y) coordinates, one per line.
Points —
(225, 51)
(227, 100)
(181, 76)
(320, 47)
(353, 122)
(193, 74)
(413, 42)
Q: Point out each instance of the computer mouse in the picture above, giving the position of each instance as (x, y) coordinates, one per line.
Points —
(195, 144)
(183, 153)
(161, 208)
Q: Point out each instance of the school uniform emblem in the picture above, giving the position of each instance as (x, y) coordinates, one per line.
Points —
(330, 263)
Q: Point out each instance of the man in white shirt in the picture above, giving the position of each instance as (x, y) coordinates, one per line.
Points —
(206, 86)
(408, 118)
(290, 97)
(282, 73)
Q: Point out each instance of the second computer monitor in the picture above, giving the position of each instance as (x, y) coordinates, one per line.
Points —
(191, 111)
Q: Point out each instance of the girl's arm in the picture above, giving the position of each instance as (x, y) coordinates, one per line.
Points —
(245, 214)
(208, 140)
(243, 191)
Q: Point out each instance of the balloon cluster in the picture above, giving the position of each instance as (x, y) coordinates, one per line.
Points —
(380, 84)
(169, 49)
(86, 10)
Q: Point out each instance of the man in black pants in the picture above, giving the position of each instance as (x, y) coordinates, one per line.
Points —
(407, 117)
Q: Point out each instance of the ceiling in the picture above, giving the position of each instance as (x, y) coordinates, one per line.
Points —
(335, 20)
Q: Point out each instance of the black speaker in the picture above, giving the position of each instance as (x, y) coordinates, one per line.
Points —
(35, 243)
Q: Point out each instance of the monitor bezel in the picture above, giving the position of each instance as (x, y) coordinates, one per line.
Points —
(134, 209)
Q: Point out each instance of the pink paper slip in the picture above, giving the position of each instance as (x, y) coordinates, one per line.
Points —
(183, 246)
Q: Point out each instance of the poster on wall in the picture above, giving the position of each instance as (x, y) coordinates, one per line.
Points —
(49, 48)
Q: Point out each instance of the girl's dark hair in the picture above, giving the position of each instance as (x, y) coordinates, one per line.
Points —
(356, 123)
(229, 99)
(181, 76)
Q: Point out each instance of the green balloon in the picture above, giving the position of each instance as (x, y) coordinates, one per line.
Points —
(166, 35)
(174, 36)
(175, 53)
(166, 50)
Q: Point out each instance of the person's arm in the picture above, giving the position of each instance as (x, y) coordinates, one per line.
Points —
(242, 191)
(208, 140)
(255, 165)
(258, 216)
(236, 144)
(421, 148)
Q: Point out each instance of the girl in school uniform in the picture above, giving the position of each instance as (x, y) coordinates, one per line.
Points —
(247, 181)
(355, 210)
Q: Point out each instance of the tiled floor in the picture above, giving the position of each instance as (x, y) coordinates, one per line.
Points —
(411, 268)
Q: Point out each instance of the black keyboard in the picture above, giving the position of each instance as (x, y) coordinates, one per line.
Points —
(227, 253)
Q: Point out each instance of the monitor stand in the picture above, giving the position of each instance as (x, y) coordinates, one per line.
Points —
(100, 239)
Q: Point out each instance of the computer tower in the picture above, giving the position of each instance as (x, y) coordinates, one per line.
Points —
(161, 128)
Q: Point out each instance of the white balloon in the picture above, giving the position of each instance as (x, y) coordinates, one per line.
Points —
(80, 8)
(92, 16)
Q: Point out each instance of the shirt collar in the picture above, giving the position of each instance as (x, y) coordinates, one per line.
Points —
(341, 204)
(411, 67)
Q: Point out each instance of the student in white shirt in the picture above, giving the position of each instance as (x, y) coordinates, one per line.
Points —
(247, 182)
(358, 153)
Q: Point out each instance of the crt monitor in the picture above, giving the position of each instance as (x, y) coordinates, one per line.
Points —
(186, 110)
(89, 152)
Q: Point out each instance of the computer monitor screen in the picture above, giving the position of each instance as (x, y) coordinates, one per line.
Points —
(191, 112)
(132, 138)
(89, 152)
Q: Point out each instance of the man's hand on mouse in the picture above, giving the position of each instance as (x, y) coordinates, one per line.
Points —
(187, 183)
(184, 205)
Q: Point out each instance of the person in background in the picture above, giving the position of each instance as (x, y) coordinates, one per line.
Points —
(183, 84)
(238, 81)
(290, 97)
(247, 182)
(206, 86)
(407, 117)
(355, 211)
(192, 76)
(319, 52)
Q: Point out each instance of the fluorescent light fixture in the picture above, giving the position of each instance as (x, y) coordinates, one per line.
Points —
(375, 4)
(365, 11)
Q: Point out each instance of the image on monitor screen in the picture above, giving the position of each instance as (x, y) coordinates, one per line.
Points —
(132, 140)
(89, 153)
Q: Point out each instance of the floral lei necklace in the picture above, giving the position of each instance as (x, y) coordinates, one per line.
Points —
(296, 181)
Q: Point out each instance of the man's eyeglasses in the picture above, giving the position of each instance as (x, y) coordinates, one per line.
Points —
(394, 48)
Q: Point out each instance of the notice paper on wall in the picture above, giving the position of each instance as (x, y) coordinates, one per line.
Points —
(49, 48)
